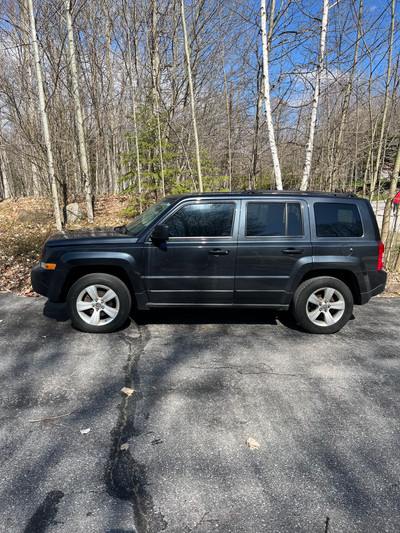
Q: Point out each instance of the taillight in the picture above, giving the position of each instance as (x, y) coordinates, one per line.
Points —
(381, 255)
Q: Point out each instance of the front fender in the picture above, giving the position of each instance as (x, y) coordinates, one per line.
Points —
(72, 261)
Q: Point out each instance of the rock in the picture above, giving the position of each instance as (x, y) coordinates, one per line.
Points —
(252, 444)
(73, 212)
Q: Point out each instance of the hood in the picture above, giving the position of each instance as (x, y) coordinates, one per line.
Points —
(84, 233)
(87, 236)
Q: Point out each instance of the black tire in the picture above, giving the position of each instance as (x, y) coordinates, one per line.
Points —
(95, 314)
(322, 305)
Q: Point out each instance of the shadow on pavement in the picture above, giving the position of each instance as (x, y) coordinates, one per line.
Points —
(58, 312)
(215, 316)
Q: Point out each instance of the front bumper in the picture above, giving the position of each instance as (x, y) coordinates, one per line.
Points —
(47, 283)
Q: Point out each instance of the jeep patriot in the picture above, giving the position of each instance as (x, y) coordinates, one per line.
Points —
(314, 253)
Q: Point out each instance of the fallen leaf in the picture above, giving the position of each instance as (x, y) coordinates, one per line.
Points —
(124, 446)
(127, 391)
(85, 431)
(252, 444)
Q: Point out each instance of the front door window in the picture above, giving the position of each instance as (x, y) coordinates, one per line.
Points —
(202, 220)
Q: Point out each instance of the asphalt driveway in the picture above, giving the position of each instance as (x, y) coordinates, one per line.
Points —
(172, 456)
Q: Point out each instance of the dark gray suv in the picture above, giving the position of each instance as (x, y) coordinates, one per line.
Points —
(314, 253)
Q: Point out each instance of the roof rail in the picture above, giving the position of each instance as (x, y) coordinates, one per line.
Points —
(297, 193)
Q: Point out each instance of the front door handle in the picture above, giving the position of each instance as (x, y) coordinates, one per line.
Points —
(218, 251)
(293, 251)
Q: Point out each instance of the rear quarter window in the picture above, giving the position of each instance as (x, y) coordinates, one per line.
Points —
(337, 220)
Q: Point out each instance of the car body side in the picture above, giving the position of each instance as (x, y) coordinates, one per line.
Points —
(263, 272)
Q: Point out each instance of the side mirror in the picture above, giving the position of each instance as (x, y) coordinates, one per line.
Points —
(160, 233)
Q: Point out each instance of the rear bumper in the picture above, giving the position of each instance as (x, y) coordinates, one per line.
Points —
(47, 283)
(377, 284)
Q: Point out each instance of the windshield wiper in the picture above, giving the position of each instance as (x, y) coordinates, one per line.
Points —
(121, 229)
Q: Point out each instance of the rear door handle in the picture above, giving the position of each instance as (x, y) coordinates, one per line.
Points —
(218, 251)
(293, 251)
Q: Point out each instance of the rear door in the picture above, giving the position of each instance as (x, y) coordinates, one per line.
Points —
(274, 248)
(197, 264)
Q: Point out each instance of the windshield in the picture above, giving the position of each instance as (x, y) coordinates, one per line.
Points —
(145, 219)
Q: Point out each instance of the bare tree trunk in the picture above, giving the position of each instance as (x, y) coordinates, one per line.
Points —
(43, 114)
(78, 112)
(4, 176)
(155, 53)
(228, 106)
(155, 78)
(3, 169)
(160, 149)
(136, 41)
(30, 108)
(110, 142)
(256, 132)
(133, 103)
(267, 96)
(192, 107)
(397, 264)
(313, 121)
(228, 103)
(386, 105)
(174, 68)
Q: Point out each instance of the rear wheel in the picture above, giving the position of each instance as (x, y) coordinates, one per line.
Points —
(98, 303)
(323, 304)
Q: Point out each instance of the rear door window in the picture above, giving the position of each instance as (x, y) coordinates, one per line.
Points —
(337, 220)
(274, 219)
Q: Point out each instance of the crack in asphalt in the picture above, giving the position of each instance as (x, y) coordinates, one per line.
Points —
(125, 478)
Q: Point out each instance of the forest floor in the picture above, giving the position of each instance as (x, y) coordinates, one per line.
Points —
(26, 223)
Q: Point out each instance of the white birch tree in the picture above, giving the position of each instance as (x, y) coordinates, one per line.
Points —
(4, 181)
(133, 91)
(192, 103)
(314, 111)
(43, 114)
(78, 112)
(267, 95)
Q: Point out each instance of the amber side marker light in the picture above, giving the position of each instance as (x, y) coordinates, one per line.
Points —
(49, 266)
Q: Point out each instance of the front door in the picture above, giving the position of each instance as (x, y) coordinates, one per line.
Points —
(197, 263)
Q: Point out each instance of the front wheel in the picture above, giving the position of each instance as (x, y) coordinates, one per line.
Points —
(323, 304)
(98, 303)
